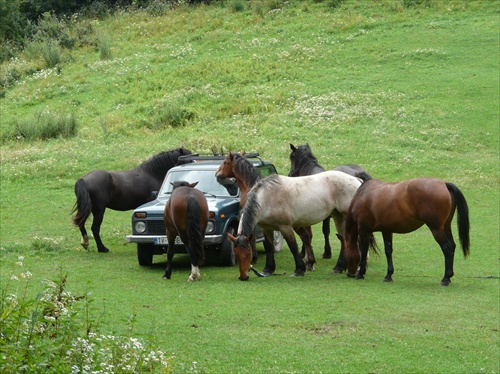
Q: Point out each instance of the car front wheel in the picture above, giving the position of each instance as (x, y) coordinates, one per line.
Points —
(145, 254)
(227, 255)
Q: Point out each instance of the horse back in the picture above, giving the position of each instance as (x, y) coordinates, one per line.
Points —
(177, 208)
(401, 207)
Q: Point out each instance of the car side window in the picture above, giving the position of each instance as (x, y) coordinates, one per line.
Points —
(266, 171)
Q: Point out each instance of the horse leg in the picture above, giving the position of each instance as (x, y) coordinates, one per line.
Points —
(363, 243)
(300, 267)
(341, 264)
(85, 237)
(387, 236)
(96, 228)
(304, 233)
(303, 252)
(195, 273)
(326, 233)
(270, 266)
(170, 257)
(253, 243)
(447, 244)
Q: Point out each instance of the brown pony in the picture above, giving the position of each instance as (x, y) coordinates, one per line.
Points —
(186, 216)
(402, 208)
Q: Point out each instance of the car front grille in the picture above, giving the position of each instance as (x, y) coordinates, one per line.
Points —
(156, 227)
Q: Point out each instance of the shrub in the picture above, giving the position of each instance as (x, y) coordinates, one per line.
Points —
(54, 332)
(45, 125)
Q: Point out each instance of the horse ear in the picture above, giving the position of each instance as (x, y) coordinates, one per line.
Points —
(193, 184)
(292, 147)
(231, 237)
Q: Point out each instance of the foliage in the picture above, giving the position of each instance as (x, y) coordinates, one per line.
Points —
(42, 126)
(54, 333)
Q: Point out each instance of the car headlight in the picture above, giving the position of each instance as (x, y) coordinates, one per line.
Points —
(140, 227)
(210, 227)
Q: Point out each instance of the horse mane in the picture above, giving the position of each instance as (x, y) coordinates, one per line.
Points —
(252, 206)
(158, 165)
(303, 161)
(245, 169)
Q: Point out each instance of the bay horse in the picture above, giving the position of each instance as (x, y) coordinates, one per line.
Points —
(402, 208)
(279, 203)
(186, 216)
(237, 166)
(119, 190)
(303, 162)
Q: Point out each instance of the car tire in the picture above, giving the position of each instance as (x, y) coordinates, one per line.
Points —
(227, 256)
(277, 241)
(145, 254)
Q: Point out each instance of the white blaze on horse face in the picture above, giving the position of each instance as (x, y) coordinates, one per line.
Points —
(195, 274)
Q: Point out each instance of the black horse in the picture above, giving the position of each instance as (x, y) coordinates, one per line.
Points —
(304, 163)
(119, 190)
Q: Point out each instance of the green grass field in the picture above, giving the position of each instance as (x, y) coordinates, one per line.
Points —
(405, 91)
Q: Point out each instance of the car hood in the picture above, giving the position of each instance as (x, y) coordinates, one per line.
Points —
(157, 206)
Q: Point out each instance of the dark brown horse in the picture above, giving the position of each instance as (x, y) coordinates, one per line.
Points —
(119, 190)
(304, 163)
(402, 208)
(186, 216)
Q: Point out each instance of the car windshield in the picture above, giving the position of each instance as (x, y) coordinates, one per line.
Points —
(207, 182)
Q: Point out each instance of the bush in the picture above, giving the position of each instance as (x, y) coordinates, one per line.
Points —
(54, 332)
(44, 126)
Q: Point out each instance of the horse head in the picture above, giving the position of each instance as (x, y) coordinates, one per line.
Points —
(183, 184)
(243, 252)
(225, 170)
(302, 161)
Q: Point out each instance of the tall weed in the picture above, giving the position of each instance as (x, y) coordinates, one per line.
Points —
(43, 126)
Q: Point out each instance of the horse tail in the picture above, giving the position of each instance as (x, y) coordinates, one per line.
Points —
(194, 232)
(462, 217)
(83, 205)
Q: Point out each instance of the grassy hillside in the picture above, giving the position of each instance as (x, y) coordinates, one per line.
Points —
(404, 88)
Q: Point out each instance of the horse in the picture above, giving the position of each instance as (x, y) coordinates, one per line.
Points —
(303, 162)
(237, 166)
(402, 208)
(119, 190)
(186, 216)
(280, 203)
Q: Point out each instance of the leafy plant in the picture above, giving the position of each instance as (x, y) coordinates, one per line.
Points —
(53, 332)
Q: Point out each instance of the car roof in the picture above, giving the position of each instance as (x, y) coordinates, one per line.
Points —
(197, 162)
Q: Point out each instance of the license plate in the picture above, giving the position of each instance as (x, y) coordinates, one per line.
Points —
(164, 241)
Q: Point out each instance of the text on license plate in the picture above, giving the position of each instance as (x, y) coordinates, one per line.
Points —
(163, 241)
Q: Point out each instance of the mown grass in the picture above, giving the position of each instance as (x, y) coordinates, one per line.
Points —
(404, 91)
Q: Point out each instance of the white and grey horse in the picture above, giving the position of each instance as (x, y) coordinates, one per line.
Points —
(279, 203)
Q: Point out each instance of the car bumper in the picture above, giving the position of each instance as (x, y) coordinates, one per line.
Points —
(162, 240)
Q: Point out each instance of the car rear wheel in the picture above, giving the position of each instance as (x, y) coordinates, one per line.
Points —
(145, 254)
(227, 256)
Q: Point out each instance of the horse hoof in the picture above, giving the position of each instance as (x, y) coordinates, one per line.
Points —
(103, 250)
(310, 267)
(388, 280)
(445, 282)
(327, 255)
(349, 275)
(298, 274)
(165, 277)
(338, 271)
(358, 276)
